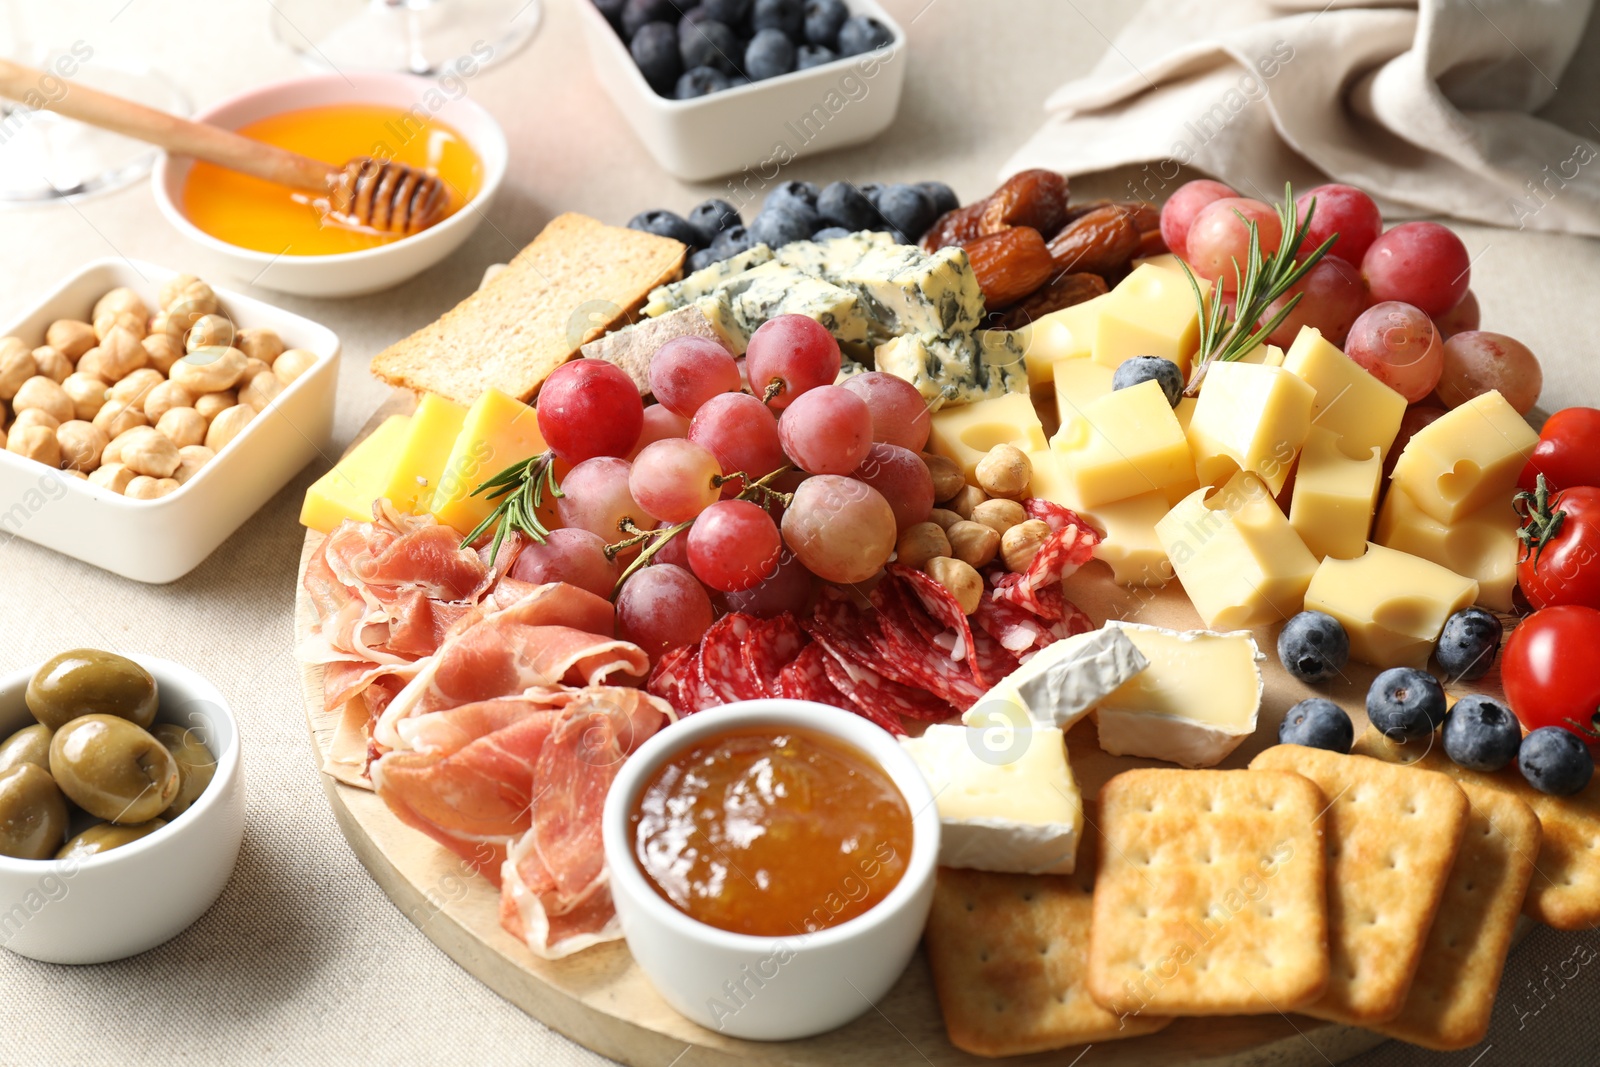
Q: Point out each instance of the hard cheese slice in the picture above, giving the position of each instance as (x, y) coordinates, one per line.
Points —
(1061, 683)
(348, 490)
(421, 455)
(1064, 334)
(1151, 312)
(1391, 604)
(498, 431)
(1335, 491)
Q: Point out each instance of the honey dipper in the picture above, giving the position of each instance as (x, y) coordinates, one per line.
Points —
(386, 196)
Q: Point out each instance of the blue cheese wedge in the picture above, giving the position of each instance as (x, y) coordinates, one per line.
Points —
(770, 295)
(1062, 682)
(949, 370)
(1194, 704)
(907, 290)
(706, 280)
(1007, 800)
(827, 259)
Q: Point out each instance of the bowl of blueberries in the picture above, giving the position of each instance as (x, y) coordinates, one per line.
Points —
(713, 87)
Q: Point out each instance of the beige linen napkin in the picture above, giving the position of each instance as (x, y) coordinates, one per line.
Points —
(1425, 105)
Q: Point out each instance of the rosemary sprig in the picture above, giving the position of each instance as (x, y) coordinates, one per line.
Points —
(523, 486)
(1262, 279)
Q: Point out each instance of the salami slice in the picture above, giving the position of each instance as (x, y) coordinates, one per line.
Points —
(806, 678)
(697, 696)
(878, 700)
(1038, 589)
(668, 676)
(1018, 632)
(985, 658)
(722, 667)
(1058, 517)
(907, 637)
(770, 645)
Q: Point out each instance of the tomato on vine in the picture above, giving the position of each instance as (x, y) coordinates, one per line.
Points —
(1568, 452)
(1560, 537)
(1549, 672)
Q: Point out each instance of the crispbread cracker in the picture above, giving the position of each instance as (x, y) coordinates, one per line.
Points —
(1007, 953)
(1210, 894)
(1454, 990)
(1393, 836)
(1565, 891)
(577, 280)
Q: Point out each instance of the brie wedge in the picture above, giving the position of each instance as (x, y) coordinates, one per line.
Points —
(1061, 683)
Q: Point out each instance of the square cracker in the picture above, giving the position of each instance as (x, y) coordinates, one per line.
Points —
(1007, 953)
(1393, 836)
(1565, 891)
(1209, 898)
(1454, 990)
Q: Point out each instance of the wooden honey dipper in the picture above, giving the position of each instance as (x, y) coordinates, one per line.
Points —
(386, 196)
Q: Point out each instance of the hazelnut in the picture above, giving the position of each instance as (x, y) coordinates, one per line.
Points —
(16, 366)
(184, 426)
(1005, 472)
(191, 459)
(120, 355)
(153, 454)
(88, 393)
(209, 370)
(81, 444)
(45, 394)
(163, 350)
(136, 387)
(94, 365)
(262, 390)
(213, 404)
(960, 580)
(1022, 542)
(999, 515)
(973, 543)
(144, 487)
(943, 518)
(37, 443)
(112, 476)
(209, 331)
(228, 425)
(164, 397)
(132, 323)
(252, 367)
(293, 363)
(35, 417)
(120, 301)
(947, 477)
(117, 417)
(261, 343)
(51, 363)
(189, 294)
(113, 452)
(70, 337)
(963, 502)
(920, 543)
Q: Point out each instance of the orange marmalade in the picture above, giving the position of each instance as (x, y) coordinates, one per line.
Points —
(252, 213)
(772, 832)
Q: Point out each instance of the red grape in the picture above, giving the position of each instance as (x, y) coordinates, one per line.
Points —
(1416, 417)
(569, 555)
(661, 608)
(1219, 237)
(673, 550)
(903, 479)
(687, 371)
(588, 408)
(660, 423)
(733, 546)
(675, 479)
(841, 529)
(1422, 264)
(1343, 210)
(596, 498)
(742, 433)
(899, 414)
(1178, 213)
(1398, 345)
(794, 351)
(788, 588)
(1464, 316)
(1477, 361)
(827, 430)
(1333, 297)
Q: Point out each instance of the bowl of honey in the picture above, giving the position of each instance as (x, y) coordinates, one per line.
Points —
(288, 240)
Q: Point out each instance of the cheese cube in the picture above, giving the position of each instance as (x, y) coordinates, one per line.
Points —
(1060, 683)
(966, 433)
(1130, 544)
(1467, 459)
(348, 490)
(1263, 355)
(1079, 383)
(1335, 492)
(1151, 312)
(1249, 417)
(1193, 705)
(1050, 481)
(1064, 334)
(422, 453)
(1482, 546)
(1124, 444)
(498, 431)
(1238, 558)
(1363, 411)
(1392, 604)
(1006, 797)
(1166, 261)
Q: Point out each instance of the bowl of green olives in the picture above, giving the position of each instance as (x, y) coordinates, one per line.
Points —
(121, 804)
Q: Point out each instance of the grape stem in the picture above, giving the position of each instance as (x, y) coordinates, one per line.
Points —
(523, 486)
(773, 391)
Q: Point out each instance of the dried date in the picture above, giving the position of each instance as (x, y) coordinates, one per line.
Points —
(1036, 198)
(956, 227)
(1100, 242)
(1063, 292)
(1010, 264)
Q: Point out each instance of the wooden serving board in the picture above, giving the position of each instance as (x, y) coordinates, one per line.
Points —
(601, 1000)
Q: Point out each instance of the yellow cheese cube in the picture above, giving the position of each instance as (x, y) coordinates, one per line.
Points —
(1264, 355)
(498, 431)
(1180, 489)
(1392, 604)
(348, 490)
(1482, 546)
(1151, 312)
(1050, 482)
(1352, 403)
(1124, 444)
(1166, 261)
(1238, 558)
(1335, 492)
(967, 432)
(1249, 417)
(1079, 382)
(1064, 334)
(1467, 459)
(421, 455)
(1130, 545)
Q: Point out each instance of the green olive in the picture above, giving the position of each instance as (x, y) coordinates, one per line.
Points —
(86, 681)
(31, 744)
(33, 815)
(196, 764)
(113, 770)
(105, 836)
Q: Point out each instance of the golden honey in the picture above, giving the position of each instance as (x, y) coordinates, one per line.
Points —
(252, 213)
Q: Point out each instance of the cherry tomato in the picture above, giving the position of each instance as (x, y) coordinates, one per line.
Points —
(1560, 547)
(1549, 672)
(1568, 452)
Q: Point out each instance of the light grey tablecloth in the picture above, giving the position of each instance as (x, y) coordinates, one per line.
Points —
(303, 960)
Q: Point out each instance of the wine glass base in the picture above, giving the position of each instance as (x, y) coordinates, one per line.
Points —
(426, 37)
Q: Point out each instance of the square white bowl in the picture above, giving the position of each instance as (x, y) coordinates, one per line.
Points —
(758, 127)
(161, 540)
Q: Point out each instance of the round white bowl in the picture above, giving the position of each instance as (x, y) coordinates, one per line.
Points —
(349, 273)
(772, 988)
(136, 897)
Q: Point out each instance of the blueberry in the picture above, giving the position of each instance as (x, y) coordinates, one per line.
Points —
(1317, 723)
(655, 49)
(636, 14)
(701, 259)
(708, 43)
(1312, 646)
(1481, 734)
(823, 19)
(906, 209)
(940, 195)
(777, 226)
(861, 34)
(1555, 761)
(871, 190)
(842, 204)
(731, 242)
(1141, 369)
(788, 17)
(768, 55)
(701, 81)
(810, 55)
(713, 216)
(803, 193)
(727, 12)
(1405, 703)
(1468, 644)
(612, 10)
(828, 233)
(666, 224)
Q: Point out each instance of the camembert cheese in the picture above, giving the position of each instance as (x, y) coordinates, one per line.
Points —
(1061, 683)
(1393, 605)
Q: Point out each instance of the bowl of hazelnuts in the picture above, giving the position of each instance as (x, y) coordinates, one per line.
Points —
(145, 415)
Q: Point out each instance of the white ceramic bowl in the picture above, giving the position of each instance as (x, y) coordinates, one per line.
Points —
(349, 273)
(138, 896)
(162, 540)
(793, 986)
(760, 127)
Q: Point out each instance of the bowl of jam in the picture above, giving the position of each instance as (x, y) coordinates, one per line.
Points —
(772, 864)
